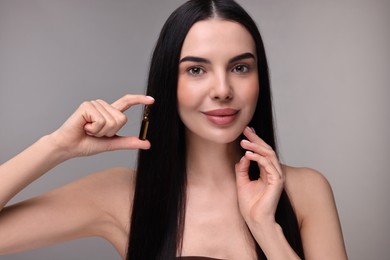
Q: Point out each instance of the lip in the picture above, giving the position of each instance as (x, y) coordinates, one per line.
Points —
(223, 116)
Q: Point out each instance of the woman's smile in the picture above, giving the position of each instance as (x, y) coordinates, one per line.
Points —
(221, 117)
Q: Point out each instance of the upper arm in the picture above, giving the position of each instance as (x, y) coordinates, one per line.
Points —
(313, 200)
(87, 207)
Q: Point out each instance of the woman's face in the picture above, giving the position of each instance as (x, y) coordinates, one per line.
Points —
(218, 80)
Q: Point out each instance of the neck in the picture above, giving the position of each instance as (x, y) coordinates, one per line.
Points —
(210, 163)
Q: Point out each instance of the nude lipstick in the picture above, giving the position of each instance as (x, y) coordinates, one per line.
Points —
(222, 116)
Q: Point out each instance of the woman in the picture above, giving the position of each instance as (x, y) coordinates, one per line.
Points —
(208, 181)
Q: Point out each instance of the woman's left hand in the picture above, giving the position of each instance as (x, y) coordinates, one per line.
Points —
(258, 199)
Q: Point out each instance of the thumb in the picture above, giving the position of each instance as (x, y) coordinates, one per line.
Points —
(242, 168)
(122, 143)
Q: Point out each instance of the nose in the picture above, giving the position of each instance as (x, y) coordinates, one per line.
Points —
(221, 89)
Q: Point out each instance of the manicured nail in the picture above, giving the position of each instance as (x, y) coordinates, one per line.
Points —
(253, 130)
(149, 97)
(248, 152)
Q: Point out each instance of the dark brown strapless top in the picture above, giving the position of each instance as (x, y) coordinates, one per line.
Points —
(197, 258)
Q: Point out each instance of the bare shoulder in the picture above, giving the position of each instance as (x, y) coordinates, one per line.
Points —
(307, 189)
(312, 198)
(304, 178)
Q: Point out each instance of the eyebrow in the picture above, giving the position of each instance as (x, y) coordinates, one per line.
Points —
(246, 55)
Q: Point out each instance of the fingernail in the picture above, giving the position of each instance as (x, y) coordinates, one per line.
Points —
(250, 129)
(149, 97)
(245, 141)
(248, 152)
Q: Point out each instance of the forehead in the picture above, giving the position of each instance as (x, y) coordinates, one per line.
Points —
(216, 36)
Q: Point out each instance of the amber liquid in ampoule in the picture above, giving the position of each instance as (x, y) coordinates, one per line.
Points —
(145, 123)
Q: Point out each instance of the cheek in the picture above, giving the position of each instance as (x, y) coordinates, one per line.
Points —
(183, 95)
(190, 94)
(187, 97)
(252, 93)
(251, 98)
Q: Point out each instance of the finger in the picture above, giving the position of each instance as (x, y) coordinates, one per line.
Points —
(253, 137)
(127, 142)
(242, 168)
(94, 120)
(109, 126)
(127, 101)
(258, 148)
(262, 150)
(114, 118)
(105, 144)
(271, 176)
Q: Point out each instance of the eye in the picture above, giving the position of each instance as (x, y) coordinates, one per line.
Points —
(240, 68)
(195, 71)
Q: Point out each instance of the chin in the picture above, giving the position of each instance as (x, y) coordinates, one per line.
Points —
(216, 134)
(222, 136)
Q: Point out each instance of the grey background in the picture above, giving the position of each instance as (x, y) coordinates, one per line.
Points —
(329, 63)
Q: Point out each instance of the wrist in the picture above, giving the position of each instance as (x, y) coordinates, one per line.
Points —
(57, 147)
(269, 235)
(262, 222)
(265, 229)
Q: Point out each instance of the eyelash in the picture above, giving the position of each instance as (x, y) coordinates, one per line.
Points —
(201, 71)
(192, 73)
(246, 67)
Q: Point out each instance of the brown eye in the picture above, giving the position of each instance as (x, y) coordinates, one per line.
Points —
(240, 68)
(195, 71)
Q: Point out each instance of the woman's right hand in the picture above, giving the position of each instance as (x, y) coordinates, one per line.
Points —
(93, 128)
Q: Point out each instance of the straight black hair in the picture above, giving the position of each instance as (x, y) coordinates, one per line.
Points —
(158, 212)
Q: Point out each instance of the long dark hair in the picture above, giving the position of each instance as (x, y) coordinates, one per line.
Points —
(158, 212)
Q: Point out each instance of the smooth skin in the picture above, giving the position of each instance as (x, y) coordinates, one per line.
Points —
(226, 212)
